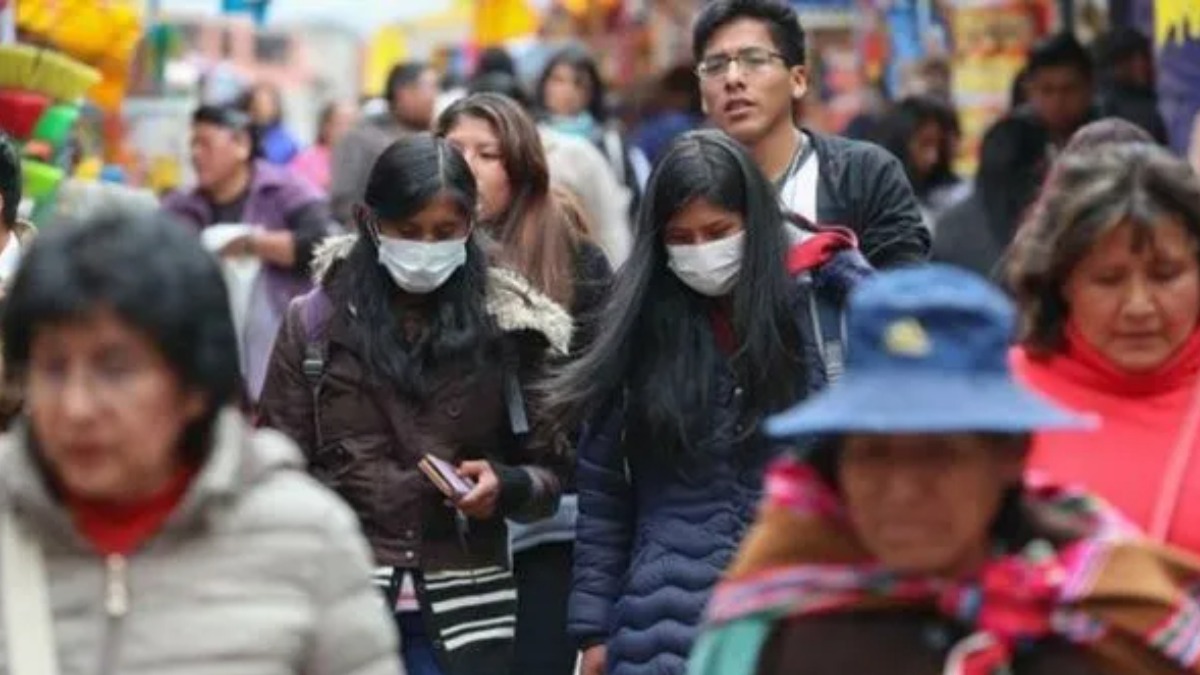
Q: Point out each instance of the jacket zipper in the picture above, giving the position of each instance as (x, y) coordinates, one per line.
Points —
(116, 606)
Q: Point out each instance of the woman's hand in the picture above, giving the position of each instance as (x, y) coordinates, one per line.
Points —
(480, 502)
(592, 662)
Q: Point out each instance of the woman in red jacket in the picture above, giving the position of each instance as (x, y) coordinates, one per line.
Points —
(1109, 289)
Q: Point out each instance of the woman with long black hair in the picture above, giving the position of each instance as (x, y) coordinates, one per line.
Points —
(714, 322)
(413, 346)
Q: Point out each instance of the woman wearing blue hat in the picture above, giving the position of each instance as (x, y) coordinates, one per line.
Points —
(708, 330)
(909, 543)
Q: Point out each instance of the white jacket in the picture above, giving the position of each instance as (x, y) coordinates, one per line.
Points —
(259, 571)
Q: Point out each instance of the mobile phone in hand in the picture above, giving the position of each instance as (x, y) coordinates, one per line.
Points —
(445, 477)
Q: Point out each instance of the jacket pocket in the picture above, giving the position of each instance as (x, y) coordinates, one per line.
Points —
(340, 463)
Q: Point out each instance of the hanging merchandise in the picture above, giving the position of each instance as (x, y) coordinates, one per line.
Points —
(40, 93)
(101, 33)
(991, 41)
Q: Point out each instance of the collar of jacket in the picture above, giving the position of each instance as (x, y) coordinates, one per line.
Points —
(240, 457)
(511, 300)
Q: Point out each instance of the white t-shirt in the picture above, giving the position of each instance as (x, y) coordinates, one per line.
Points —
(799, 191)
(10, 258)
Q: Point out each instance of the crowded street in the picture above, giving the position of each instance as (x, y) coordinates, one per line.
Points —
(600, 337)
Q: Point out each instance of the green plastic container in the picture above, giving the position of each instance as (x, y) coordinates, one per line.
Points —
(40, 179)
(54, 126)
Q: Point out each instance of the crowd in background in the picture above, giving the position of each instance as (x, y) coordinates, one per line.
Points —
(510, 385)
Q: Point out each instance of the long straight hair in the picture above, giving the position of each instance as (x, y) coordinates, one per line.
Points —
(656, 344)
(536, 238)
(455, 325)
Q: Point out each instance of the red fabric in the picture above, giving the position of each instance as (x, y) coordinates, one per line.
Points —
(722, 327)
(818, 248)
(121, 528)
(814, 251)
(1125, 460)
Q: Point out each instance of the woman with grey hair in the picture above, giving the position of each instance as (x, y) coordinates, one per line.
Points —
(1108, 283)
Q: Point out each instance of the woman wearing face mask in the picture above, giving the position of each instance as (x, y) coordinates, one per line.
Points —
(412, 346)
(571, 98)
(710, 327)
(537, 236)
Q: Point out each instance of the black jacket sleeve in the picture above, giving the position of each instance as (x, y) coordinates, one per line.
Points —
(891, 230)
(309, 224)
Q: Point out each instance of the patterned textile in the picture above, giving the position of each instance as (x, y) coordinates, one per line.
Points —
(1108, 590)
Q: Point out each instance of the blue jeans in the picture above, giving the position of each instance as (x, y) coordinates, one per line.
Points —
(420, 657)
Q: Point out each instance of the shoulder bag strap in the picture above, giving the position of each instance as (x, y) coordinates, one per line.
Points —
(28, 624)
(1178, 463)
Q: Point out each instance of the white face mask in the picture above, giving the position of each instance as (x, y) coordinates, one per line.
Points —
(418, 266)
(711, 268)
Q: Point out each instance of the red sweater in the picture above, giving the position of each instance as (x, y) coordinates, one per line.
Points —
(1128, 459)
(121, 528)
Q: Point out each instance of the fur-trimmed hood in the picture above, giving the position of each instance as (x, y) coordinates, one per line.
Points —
(511, 300)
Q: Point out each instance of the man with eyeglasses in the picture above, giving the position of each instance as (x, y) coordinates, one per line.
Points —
(751, 63)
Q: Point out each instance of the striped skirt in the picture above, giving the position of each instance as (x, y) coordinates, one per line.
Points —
(471, 614)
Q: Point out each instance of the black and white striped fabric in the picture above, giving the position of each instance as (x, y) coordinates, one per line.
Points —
(471, 615)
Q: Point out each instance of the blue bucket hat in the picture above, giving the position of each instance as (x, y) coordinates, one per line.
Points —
(927, 353)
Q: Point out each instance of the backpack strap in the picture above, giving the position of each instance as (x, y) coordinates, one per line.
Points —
(313, 313)
(829, 329)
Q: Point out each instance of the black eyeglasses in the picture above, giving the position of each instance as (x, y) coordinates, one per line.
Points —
(749, 60)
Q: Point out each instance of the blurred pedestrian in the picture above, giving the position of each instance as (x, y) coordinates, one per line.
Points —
(909, 543)
(264, 103)
(1059, 86)
(752, 68)
(413, 346)
(1090, 137)
(1125, 65)
(572, 99)
(144, 526)
(923, 133)
(711, 326)
(17, 235)
(674, 110)
(579, 167)
(1013, 162)
(286, 215)
(314, 163)
(1194, 144)
(538, 238)
(1109, 290)
(410, 95)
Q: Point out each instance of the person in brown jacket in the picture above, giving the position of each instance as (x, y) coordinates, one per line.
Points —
(412, 346)
(906, 540)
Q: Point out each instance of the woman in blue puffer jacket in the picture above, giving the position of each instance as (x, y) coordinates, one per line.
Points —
(714, 322)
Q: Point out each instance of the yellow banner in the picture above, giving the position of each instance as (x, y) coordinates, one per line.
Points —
(497, 21)
(581, 7)
(1176, 19)
(388, 47)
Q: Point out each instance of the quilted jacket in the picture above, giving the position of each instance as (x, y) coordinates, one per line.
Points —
(654, 536)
